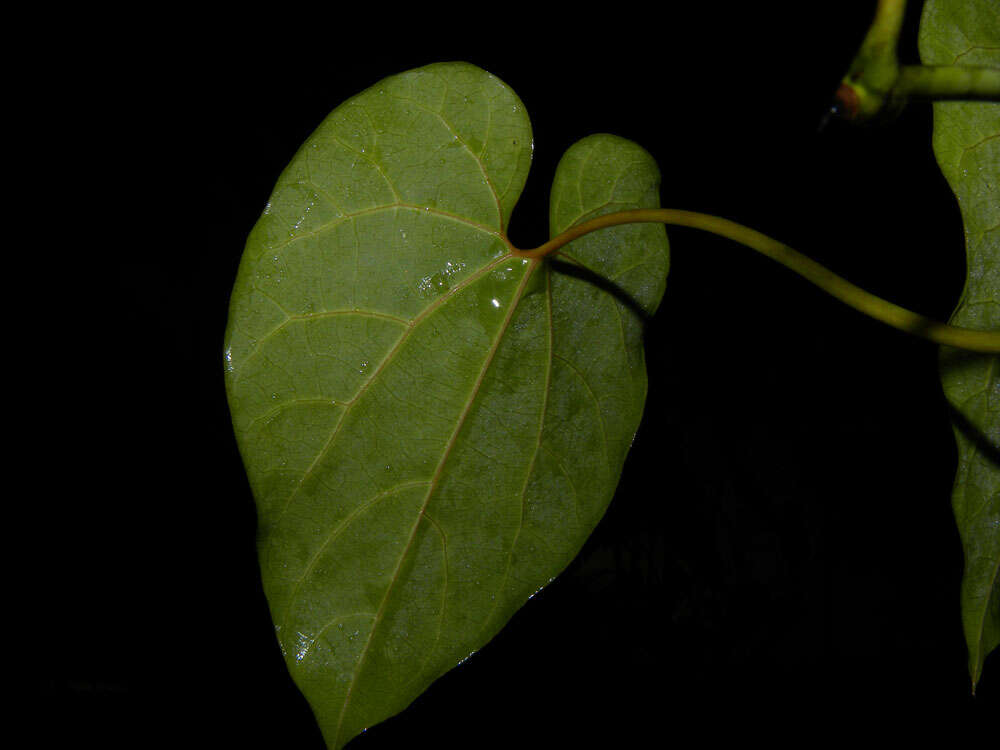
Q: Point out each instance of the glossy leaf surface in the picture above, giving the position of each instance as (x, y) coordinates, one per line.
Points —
(431, 426)
(967, 146)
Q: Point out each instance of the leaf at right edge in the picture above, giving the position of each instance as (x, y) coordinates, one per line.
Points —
(967, 146)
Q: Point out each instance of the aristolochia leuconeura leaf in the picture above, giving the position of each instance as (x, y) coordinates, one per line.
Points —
(967, 145)
(431, 425)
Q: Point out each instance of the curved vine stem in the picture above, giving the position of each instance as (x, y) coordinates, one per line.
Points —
(854, 296)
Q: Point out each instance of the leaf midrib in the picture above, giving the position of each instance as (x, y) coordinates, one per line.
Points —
(534, 455)
(435, 479)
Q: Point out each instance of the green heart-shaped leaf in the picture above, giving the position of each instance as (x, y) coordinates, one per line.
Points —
(432, 426)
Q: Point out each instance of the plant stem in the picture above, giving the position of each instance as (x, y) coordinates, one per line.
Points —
(864, 90)
(876, 84)
(829, 282)
(948, 82)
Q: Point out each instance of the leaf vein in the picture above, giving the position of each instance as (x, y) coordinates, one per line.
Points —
(378, 370)
(482, 166)
(435, 479)
(335, 534)
(534, 455)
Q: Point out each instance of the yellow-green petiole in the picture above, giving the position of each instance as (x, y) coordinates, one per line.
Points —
(854, 296)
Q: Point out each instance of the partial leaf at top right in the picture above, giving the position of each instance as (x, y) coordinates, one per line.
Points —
(967, 146)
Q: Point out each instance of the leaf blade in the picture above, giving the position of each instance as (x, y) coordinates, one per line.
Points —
(391, 374)
(967, 147)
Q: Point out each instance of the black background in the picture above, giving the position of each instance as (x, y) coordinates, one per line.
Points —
(780, 557)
